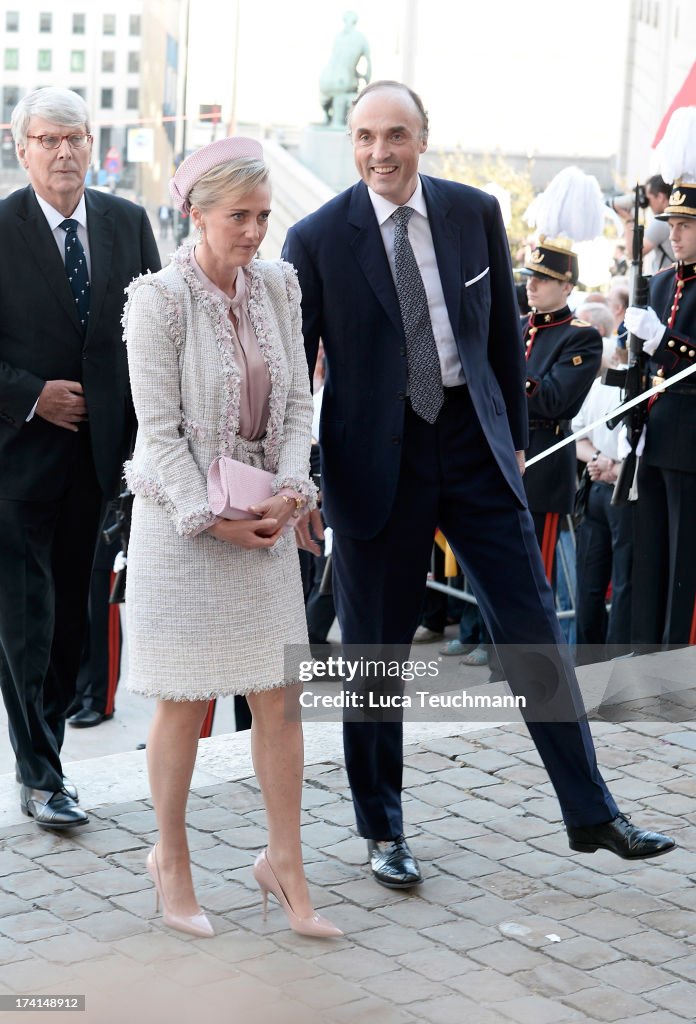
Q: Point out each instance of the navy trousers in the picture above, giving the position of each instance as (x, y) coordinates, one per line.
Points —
(664, 570)
(450, 479)
(604, 555)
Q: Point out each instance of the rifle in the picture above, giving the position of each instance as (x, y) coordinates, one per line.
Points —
(634, 380)
(120, 511)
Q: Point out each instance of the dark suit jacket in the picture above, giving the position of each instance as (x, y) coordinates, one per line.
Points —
(41, 339)
(349, 300)
(670, 441)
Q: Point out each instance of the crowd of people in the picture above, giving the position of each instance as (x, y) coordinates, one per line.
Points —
(609, 621)
(433, 398)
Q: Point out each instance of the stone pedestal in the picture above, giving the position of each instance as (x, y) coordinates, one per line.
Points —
(328, 153)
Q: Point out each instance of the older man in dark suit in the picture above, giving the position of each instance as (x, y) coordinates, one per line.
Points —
(407, 280)
(65, 422)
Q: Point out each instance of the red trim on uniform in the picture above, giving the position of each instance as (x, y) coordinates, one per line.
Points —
(692, 632)
(530, 342)
(113, 652)
(207, 726)
(532, 327)
(678, 288)
(548, 542)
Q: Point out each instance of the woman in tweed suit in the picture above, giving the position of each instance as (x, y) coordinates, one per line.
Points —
(217, 368)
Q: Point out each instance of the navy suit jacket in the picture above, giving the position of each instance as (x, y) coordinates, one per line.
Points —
(41, 339)
(349, 301)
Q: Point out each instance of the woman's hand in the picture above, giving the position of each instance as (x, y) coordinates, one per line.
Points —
(275, 509)
(246, 533)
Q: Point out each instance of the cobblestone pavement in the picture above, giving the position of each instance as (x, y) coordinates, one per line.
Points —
(509, 926)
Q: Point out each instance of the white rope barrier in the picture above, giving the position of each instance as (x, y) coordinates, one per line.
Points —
(614, 414)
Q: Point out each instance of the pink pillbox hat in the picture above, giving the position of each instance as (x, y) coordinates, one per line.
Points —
(203, 160)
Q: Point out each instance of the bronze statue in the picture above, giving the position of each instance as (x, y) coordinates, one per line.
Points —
(340, 81)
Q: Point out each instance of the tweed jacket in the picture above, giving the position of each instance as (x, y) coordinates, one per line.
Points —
(186, 385)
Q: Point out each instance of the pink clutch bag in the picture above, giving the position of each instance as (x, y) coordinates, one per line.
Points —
(233, 487)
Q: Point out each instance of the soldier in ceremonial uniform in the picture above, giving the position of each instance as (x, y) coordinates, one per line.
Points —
(664, 575)
(563, 358)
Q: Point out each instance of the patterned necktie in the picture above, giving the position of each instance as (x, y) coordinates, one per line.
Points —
(424, 373)
(76, 267)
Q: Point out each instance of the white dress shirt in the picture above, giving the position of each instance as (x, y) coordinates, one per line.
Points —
(600, 399)
(55, 219)
(421, 240)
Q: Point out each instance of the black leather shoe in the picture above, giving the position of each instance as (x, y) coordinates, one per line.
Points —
(51, 810)
(620, 837)
(69, 787)
(85, 718)
(393, 864)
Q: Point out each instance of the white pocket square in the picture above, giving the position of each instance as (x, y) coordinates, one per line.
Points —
(468, 284)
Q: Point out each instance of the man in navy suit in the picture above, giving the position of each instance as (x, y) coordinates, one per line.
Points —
(66, 419)
(407, 280)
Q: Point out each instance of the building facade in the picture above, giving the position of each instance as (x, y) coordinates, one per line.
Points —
(93, 47)
(165, 30)
(661, 51)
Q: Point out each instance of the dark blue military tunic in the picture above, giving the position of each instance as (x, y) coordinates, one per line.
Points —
(564, 355)
(664, 577)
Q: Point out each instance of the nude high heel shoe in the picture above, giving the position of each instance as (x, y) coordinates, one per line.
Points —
(196, 924)
(316, 926)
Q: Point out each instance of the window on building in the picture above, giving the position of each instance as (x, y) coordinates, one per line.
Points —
(133, 99)
(134, 62)
(80, 90)
(77, 60)
(45, 60)
(134, 25)
(10, 99)
(12, 21)
(107, 99)
(78, 24)
(11, 60)
(109, 25)
(108, 62)
(45, 22)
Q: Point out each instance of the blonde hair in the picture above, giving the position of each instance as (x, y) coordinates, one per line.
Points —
(234, 178)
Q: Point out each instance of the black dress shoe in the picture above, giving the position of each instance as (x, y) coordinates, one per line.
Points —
(393, 864)
(85, 718)
(51, 810)
(620, 837)
(69, 787)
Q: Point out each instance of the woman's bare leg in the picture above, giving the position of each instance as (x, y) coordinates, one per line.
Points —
(277, 750)
(171, 755)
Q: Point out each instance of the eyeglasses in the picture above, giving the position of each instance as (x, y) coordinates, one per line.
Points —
(77, 141)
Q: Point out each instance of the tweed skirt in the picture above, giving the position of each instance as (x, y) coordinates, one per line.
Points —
(206, 618)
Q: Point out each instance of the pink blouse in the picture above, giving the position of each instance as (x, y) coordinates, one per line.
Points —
(255, 388)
